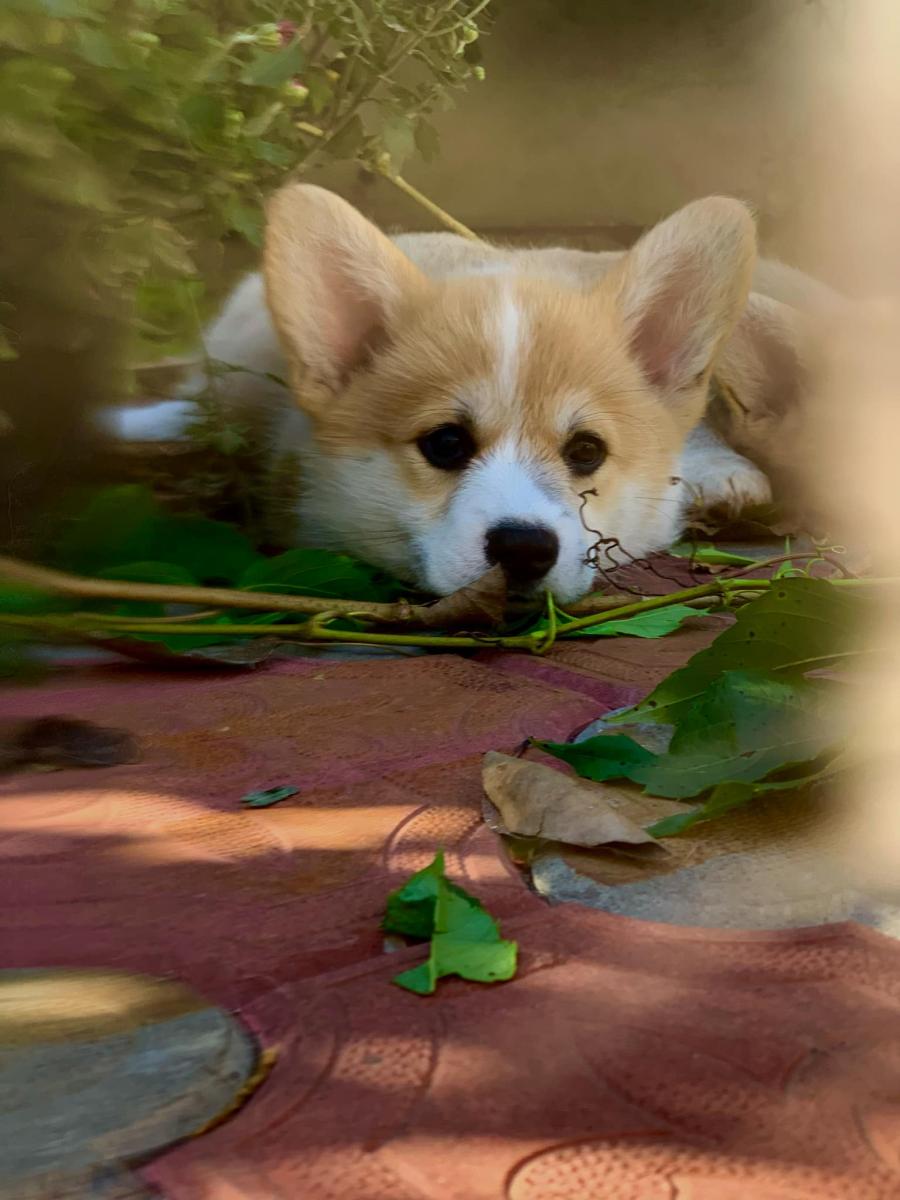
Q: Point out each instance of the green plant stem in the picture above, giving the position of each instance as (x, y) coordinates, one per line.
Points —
(407, 189)
(94, 625)
(714, 588)
(804, 556)
(61, 583)
(721, 588)
(46, 579)
(317, 628)
(421, 199)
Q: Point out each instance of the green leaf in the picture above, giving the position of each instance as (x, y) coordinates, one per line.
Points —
(609, 756)
(272, 68)
(245, 219)
(320, 90)
(213, 551)
(22, 599)
(428, 142)
(465, 940)
(745, 726)
(270, 152)
(347, 143)
(312, 572)
(725, 798)
(111, 528)
(398, 138)
(793, 627)
(124, 525)
(204, 116)
(706, 552)
(102, 50)
(410, 909)
(268, 797)
(654, 624)
(151, 572)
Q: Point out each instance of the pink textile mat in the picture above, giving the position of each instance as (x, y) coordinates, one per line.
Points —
(627, 1061)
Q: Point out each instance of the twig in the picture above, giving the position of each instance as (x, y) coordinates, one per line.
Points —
(47, 579)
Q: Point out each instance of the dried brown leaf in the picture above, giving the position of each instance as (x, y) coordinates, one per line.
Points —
(480, 603)
(533, 800)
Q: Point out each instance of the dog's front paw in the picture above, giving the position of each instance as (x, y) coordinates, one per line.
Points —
(728, 484)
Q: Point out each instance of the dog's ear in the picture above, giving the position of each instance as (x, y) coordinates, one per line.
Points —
(334, 283)
(680, 292)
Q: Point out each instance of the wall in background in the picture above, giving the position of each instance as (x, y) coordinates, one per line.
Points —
(604, 115)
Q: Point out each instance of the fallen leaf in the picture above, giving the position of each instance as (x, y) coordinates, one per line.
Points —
(534, 800)
(607, 756)
(745, 726)
(268, 797)
(465, 940)
(656, 623)
(480, 603)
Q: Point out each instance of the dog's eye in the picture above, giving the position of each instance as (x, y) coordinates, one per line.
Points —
(585, 452)
(449, 447)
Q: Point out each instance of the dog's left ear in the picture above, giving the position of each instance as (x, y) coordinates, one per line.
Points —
(680, 292)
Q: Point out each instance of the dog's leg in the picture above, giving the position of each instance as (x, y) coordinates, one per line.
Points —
(717, 477)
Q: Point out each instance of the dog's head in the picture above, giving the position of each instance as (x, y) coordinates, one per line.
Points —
(492, 418)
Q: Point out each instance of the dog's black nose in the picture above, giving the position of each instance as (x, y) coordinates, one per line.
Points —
(525, 552)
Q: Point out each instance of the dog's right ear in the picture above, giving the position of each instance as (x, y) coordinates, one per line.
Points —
(680, 291)
(334, 284)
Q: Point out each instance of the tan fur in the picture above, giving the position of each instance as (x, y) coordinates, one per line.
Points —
(764, 366)
(386, 340)
(380, 354)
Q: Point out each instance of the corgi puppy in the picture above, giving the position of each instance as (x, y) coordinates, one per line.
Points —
(455, 405)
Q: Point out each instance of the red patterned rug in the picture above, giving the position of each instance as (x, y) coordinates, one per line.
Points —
(627, 1061)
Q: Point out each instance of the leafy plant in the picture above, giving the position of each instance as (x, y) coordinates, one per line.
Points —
(465, 940)
(139, 137)
(746, 718)
(164, 124)
(655, 623)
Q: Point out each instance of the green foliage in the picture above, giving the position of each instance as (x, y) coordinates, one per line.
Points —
(123, 527)
(656, 623)
(153, 128)
(707, 552)
(794, 627)
(310, 572)
(121, 533)
(747, 718)
(464, 937)
(609, 756)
